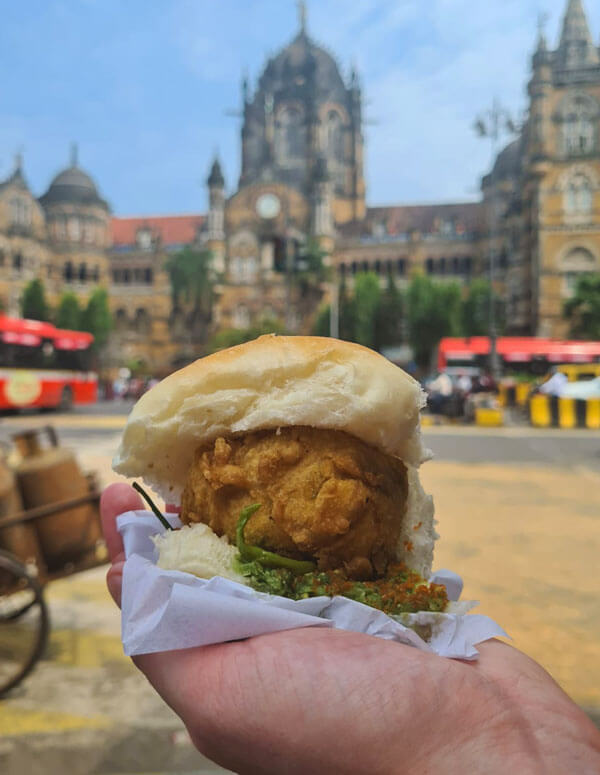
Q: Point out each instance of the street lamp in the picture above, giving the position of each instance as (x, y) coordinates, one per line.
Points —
(494, 124)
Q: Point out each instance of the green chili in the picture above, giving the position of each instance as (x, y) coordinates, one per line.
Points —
(152, 505)
(265, 558)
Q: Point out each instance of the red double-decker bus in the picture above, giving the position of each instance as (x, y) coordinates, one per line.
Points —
(43, 366)
(535, 355)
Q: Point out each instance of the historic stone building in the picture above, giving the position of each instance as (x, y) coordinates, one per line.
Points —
(545, 187)
(302, 180)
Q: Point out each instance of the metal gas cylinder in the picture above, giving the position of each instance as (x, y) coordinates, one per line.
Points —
(21, 540)
(49, 475)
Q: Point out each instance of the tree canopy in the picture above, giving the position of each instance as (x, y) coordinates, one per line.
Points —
(583, 310)
(33, 301)
(433, 311)
(475, 316)
(191, 286)
(96, 317)
(68, 314)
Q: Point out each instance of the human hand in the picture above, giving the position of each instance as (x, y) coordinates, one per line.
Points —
(329, 701)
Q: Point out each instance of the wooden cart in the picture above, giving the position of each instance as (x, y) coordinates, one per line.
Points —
(24, 619)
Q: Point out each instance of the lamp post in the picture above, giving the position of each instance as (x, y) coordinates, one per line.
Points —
(493, 124)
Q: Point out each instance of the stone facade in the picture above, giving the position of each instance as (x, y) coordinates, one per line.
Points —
(302, 180)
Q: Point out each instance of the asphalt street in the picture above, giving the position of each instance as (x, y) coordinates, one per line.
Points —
(101, 424)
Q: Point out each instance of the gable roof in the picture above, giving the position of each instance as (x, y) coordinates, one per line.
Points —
(170, 230)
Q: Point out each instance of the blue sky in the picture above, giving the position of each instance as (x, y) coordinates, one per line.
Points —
(144, 86)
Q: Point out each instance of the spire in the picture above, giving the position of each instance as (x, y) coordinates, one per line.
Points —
(216, 177)
(74, 154)
(302, 16)
(576, 48)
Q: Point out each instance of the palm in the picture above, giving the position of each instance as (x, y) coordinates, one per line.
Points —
(328, 701)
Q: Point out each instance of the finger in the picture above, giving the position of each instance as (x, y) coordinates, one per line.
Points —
(114, 581)
(116, 499)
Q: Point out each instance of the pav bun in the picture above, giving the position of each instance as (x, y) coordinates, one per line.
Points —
(271, 382)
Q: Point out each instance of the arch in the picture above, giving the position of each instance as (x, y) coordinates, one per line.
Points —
(82, 272)
(578, 116)
(334, 136)
(576, 261)
(95, 275)
(142, 321)
(241, 317)
(68, 272)
(290, 135)
(121, 319)
(579, 194)
(441, 266)
(429, 266)
(401, 266)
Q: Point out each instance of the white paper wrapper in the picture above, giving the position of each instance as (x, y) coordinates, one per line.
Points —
(167, 610)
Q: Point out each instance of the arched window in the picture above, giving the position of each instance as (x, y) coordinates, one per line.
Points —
(577, 262)
(401, 266)
(442, 266)
(579, 196)
(334, 141)
(121, 319)
(290, 136)
(241, 317)
(429, 268)
(142, 321)
(74, 229)
(68, 272)
(95, 276)
(148, 276)
(579, 120)
(82, 273)
(378, 266)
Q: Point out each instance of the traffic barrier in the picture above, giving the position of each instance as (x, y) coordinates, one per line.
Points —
(488, 417)
(514, 395)
(553, 412)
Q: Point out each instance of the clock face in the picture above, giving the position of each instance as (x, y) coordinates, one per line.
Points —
(268, 206)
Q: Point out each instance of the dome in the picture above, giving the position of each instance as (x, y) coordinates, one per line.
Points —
(303, 63)
(73, 186)
(508, 161)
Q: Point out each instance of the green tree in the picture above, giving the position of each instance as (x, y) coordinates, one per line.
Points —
(347, 317)
(389, 317)
(433, 311)
(33, 301)
(583, 310)
(230, 337)
(96, 317)
(191, 286)
(367, 297)
(475, 317)
(68, 314)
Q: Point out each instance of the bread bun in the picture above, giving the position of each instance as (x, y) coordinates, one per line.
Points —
(270, 382)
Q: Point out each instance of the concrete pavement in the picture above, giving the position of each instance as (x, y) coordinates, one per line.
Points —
(524, 532)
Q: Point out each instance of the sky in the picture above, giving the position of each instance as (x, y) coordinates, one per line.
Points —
(147, 88)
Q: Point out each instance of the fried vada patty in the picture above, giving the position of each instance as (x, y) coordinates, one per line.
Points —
(324, 494)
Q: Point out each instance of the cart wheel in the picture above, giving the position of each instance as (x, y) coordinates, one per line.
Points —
(24, 622)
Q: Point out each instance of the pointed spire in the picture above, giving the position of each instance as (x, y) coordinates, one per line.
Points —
(74, 154)
(576, 48)
(302, 16)
(542, 44)
(216, 177)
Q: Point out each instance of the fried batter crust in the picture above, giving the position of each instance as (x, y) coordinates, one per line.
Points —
(323, 494)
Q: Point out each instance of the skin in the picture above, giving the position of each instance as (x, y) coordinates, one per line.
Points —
(325, 701)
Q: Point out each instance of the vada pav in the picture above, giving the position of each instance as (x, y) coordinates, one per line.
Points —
(295, 460)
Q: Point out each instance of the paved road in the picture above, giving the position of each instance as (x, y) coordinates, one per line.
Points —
(101, 424)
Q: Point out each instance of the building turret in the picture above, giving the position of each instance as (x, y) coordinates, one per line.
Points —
(322, 216)
(540, 89)
(215, 228)
(576, 49)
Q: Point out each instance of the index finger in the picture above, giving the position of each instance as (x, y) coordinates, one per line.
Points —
(116, 499)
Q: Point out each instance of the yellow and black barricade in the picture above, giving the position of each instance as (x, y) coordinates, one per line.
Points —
(553, 412)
